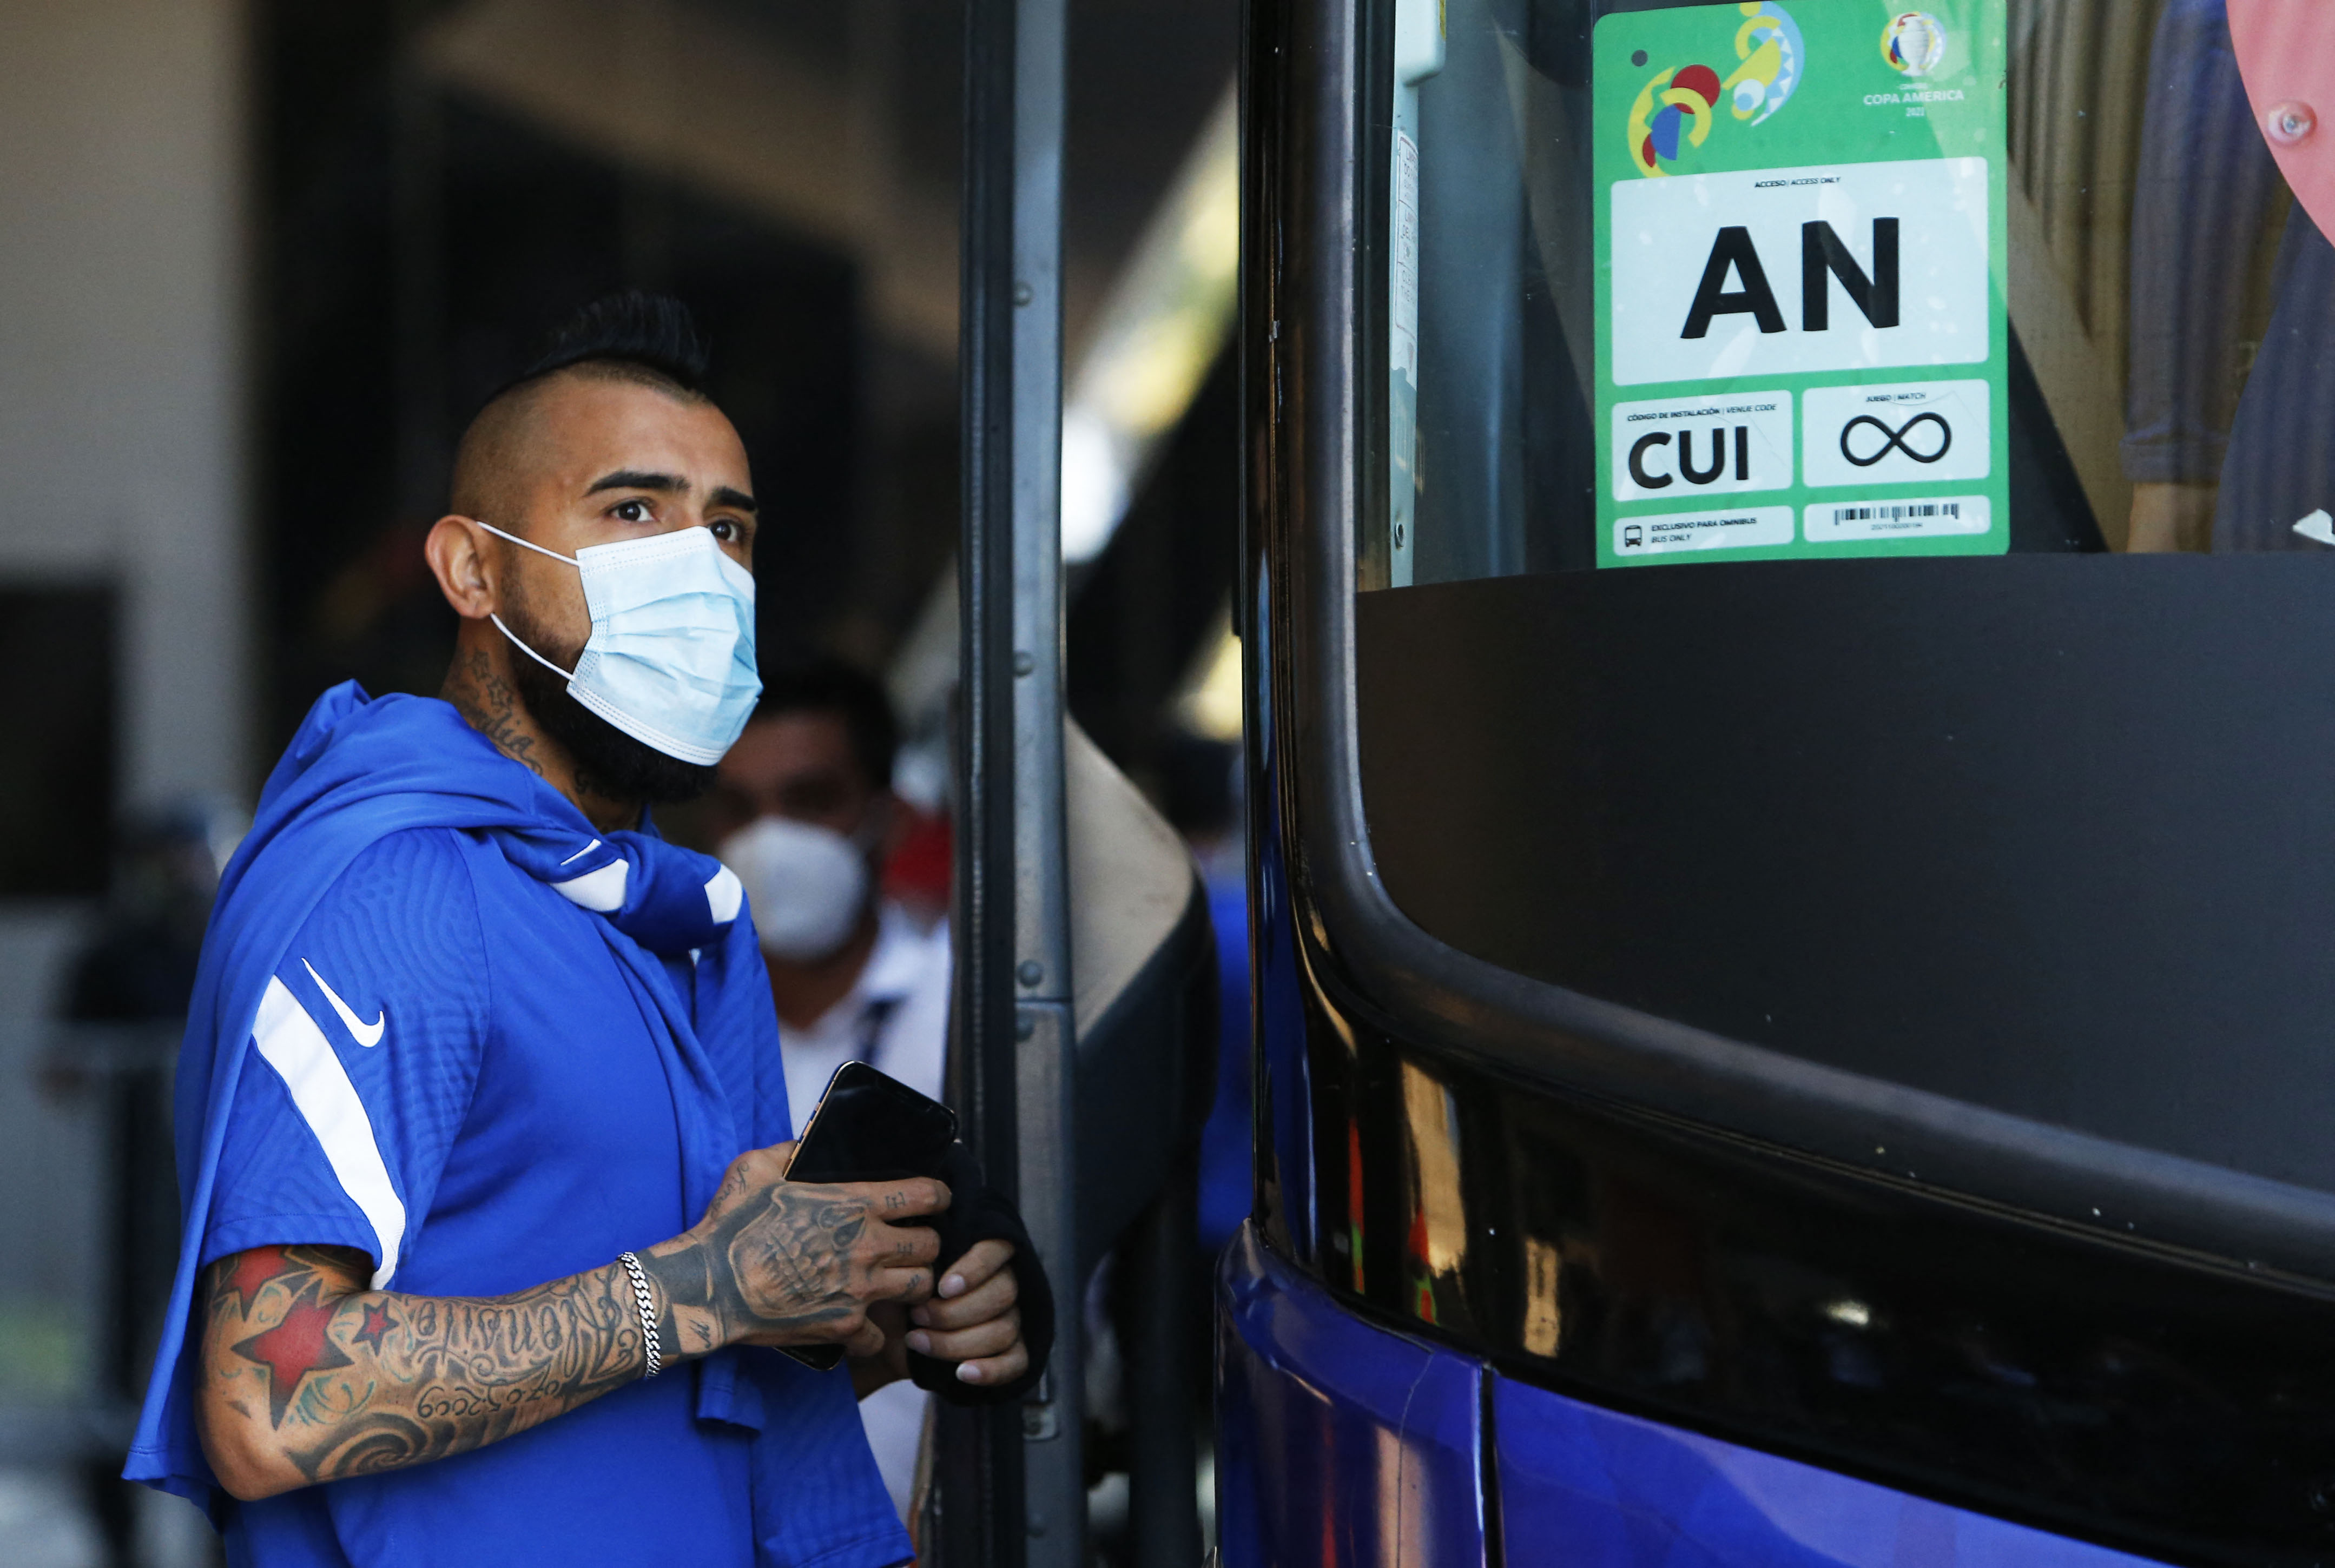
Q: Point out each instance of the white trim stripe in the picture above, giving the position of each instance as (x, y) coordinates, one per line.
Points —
(723, 895)
(602, 892)
(296, 1047)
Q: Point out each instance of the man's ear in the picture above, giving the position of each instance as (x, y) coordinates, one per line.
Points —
(457, 552)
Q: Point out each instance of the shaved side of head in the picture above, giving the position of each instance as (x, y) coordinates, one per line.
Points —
(490, 461)
(498, 454)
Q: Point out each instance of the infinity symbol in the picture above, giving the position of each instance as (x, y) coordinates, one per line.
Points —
(1895, 441)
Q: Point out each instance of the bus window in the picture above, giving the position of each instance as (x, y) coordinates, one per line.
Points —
(1840, 447)
(1795, 280)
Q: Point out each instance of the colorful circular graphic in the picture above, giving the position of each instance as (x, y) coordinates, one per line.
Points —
(1914, 42)
(1675, 110)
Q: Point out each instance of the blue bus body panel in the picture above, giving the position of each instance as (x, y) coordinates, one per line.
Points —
(1341, 1445)
(1592, 1488)
(1338, 1443)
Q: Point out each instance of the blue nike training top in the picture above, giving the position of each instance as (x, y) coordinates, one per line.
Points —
(443, 1023)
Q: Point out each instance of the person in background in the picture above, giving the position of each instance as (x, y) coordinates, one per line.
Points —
(2227, 441)
(807, 819)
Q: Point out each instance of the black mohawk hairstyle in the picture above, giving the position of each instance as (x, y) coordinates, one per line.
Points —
(649, 332)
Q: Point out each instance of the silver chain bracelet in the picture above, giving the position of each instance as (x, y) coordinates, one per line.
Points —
(648, 1312)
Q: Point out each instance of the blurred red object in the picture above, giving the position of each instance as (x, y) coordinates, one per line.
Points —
(918, 875)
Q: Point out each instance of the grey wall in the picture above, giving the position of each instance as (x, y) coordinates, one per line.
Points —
(121, 390)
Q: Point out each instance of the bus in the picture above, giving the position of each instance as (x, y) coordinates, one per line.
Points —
(1788, 598)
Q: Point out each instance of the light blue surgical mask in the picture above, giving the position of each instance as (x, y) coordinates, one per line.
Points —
(671, 658)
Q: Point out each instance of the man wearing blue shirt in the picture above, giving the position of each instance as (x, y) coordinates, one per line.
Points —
(481, 1111)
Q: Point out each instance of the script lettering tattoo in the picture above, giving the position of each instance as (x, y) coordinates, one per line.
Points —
(491, 704)
(494, 708)
(359, 1382)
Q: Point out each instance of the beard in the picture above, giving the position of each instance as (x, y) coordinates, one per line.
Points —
(609, 763)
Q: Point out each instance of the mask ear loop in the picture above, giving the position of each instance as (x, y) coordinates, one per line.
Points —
(539, 550)
(522, 647)
(498, 620)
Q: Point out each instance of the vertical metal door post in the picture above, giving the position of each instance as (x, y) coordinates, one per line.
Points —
(1016, 1035)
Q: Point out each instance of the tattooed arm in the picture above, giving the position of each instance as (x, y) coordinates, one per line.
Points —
(308, 1376)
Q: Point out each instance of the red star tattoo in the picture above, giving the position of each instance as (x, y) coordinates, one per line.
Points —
(295, 1347)
(377, 1322)
(254, 1271)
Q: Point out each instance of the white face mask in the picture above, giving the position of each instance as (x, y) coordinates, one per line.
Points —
(805, 885)
(671, 659)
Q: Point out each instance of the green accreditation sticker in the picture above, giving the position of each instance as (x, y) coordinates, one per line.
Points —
(1802, 348)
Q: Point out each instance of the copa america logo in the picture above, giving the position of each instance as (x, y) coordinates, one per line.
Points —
(1913, 42)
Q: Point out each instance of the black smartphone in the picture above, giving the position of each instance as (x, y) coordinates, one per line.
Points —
(868, 1128)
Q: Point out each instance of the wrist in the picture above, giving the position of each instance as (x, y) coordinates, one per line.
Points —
(679, 1278)
(650, 1313)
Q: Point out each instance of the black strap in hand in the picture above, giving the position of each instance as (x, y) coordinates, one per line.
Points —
(979, 1212)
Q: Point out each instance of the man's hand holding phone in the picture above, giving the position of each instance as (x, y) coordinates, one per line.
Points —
(796, 1263)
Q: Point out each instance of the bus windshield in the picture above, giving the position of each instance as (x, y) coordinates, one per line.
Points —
(1800, 279)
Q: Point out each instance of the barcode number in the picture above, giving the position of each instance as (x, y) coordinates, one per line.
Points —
(1896, 514)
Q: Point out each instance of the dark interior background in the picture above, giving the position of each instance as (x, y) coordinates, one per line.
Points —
(57, 775)
(2048, 834)
(417, 240)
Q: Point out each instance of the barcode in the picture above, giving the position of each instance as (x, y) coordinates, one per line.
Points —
(1896, 514)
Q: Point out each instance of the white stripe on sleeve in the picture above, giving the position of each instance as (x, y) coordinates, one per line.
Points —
(294, 1047)
(602, 892)
(724, 895)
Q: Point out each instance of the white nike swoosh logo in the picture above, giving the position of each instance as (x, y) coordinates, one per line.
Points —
(367, 1034)
(2318, 526)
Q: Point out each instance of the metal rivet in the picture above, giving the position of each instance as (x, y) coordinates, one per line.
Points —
(1031, 972)
(1023, 664)
(1021, 295)
(1024, 1027)
(2290, 123)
